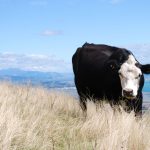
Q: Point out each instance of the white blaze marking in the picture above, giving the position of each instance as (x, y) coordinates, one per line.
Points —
(130, 75)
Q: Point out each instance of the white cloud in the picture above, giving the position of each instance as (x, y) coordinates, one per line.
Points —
(50, 63)
(111, 1)
(115, 1)
(44, 63)
(38, 2)
(51, 32)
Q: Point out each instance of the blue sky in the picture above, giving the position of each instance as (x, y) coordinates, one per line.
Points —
(53, 29)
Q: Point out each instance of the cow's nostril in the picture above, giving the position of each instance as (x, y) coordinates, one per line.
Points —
(128, 92)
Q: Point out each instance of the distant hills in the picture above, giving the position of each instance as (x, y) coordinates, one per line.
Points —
(46, 79)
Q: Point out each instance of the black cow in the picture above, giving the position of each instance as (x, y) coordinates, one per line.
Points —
(107, 72)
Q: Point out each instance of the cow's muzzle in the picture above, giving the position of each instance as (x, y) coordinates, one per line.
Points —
(128, 93)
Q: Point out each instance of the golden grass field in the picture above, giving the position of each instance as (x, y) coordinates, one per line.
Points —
(34, 118)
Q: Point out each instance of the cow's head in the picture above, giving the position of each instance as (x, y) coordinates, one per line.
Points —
(130, 74)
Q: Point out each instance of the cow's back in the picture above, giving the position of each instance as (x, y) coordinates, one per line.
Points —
(91, 57)
(89, 64)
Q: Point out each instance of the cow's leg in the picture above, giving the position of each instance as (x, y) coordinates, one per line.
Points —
(83, 104)
(138, 107)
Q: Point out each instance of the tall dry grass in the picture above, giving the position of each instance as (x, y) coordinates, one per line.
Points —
(37, 119)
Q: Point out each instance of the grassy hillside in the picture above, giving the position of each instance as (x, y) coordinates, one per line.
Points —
(38, 119)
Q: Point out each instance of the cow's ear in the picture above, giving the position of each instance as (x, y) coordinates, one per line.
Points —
(145, 68)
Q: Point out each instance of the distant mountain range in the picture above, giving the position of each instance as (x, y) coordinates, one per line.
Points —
(46, 79)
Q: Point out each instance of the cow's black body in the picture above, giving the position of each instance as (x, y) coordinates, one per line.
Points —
(95, 77)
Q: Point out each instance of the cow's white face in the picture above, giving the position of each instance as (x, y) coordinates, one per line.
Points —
(130, 75)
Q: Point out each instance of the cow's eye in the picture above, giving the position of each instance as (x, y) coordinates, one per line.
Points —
(120, 74)
(138, 76)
